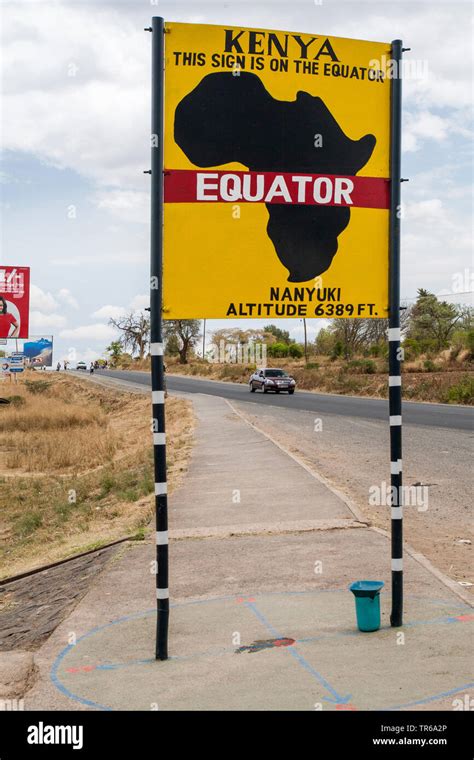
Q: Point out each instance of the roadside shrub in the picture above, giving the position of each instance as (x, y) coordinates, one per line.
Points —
(233, 370)
(17, 400)
(462, 339)
(411, 348)
(376, 350)
(295, 350)
(277, 350)
(370, 367)
(126, 361)
(429, 365)
(349, 385)
(470, 341)
(365, 366)
(312, 365)
(462, 392)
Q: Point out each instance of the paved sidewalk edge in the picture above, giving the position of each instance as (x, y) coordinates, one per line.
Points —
(425, 562)
(418, 556)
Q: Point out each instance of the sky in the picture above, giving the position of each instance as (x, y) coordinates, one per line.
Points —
(75, 98)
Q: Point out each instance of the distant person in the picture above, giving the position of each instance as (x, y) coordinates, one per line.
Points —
(58, 366)
(7, 321)
(91, 368)
(65, 364)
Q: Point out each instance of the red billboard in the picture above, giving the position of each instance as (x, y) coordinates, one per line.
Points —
(14, 301)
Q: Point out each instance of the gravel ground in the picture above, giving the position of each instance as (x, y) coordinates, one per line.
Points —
(354, 455)
(32, 607)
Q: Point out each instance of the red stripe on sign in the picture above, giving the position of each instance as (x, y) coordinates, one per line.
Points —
(191, 186)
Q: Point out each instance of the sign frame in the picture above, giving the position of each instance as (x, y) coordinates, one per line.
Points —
(289, 256)
(156, 336)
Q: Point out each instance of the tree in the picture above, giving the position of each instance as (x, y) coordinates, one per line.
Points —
(350, 333)
(433, 322)
(281, 336)
(172, 346)
(324, 342)
(115, 350)
(345, 337)
(186, 331)
(135, 329)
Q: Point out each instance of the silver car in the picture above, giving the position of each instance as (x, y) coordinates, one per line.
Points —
(272, 380)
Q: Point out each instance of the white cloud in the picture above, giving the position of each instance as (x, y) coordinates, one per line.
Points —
(109, 312)
(65, 296)
(430, 210)
(40, 321)
(424, 125)
(96, 332)
(87, 95)
(433, 247)
(139, 302)
(116, 257)
(128, 205)
(44, 302)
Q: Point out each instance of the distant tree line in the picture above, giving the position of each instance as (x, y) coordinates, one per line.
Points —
(428, 326)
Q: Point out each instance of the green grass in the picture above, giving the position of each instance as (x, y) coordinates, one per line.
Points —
(53, 508)
(37, 386)
(28, 524)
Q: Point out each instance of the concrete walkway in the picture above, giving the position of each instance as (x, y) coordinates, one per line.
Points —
(261, 554)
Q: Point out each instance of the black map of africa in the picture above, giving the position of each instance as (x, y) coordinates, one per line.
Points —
(233, 118)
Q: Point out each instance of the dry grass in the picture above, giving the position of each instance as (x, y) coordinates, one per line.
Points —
(49, 428)
(85, 482)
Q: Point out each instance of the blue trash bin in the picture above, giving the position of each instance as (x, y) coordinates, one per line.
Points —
(367, 601)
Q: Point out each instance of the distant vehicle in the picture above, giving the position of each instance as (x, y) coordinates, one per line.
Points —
(81, 365)
(272, 380)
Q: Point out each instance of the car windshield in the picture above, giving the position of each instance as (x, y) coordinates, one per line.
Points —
(275, 373)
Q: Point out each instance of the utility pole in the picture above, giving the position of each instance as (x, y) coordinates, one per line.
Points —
(305, 343)
(394, 338)
(156, 339)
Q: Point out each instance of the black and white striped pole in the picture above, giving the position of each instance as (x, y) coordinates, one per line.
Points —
(156, 339)
(394, 337)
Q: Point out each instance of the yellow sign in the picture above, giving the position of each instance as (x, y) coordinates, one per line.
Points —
(276, 183)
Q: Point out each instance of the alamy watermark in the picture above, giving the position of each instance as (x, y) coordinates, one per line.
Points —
(238, 353)
(408, 68)
(408, 496)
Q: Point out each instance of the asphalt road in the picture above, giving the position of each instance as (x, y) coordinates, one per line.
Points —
(430, 415)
